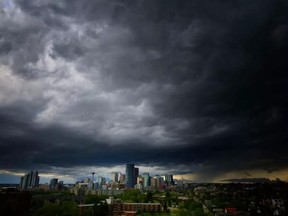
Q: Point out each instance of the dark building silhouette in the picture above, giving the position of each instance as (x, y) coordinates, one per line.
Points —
(136, 174)
(29, 180)
(130, 176)
(53, 183)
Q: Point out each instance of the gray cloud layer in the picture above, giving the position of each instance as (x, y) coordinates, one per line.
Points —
(168, 83)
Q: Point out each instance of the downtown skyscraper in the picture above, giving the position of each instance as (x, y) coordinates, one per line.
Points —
(30, 180)
(131, 173)
(130, 177)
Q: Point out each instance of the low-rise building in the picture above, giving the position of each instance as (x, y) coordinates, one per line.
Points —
(120, 208)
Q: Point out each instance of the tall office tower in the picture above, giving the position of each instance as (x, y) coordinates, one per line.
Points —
(140, 183)
(140, 180)
(25, 181)
(114, 176)
(136, 174)
(29, 180)
(119, 176)
(157, 181)
(153, 181)
(160, 181)
(34, 179)
(101, 181)
(130, 176)
(146, 179)
(122, 178)
(53, 183)
(169, 179)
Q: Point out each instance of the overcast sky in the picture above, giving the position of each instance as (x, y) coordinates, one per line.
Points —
(194, 88)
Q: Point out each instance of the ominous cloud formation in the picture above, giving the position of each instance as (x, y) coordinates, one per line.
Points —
(181, 86)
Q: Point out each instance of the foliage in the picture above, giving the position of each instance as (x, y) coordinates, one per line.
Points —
(41, 192)
(89, 199)
(133, 196)
(191, 208)
(155, 214)
(149, 197)
(36, 204)
(221, 201)
(62, 209)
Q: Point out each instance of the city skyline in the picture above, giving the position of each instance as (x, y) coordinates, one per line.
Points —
(32, 179)
(129, 179)
(196, 89)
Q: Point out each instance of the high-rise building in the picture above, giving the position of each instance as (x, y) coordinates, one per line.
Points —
(130, 176)
(157, 182)
(53, 181)
(101, 181)
(29, 180)
(122, 178)
(136, 174)
(24, 181)
(140, 180)
(139, 184)
(169, 179)
(146, 179)
(160, 181)
(34, 179)
(115, 176)
(153, 181)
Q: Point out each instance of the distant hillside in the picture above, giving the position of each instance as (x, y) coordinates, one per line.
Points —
(248, 180)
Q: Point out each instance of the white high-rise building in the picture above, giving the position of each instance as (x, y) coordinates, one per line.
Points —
(115, 176)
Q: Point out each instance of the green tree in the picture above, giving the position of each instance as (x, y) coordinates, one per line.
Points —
(62, 209)
(48, 210)
(191, 208)
(89, 199)
(132, 195)
(149, 197)
(69, 209)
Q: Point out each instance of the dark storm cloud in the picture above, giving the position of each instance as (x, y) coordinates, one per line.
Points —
(199, 83)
